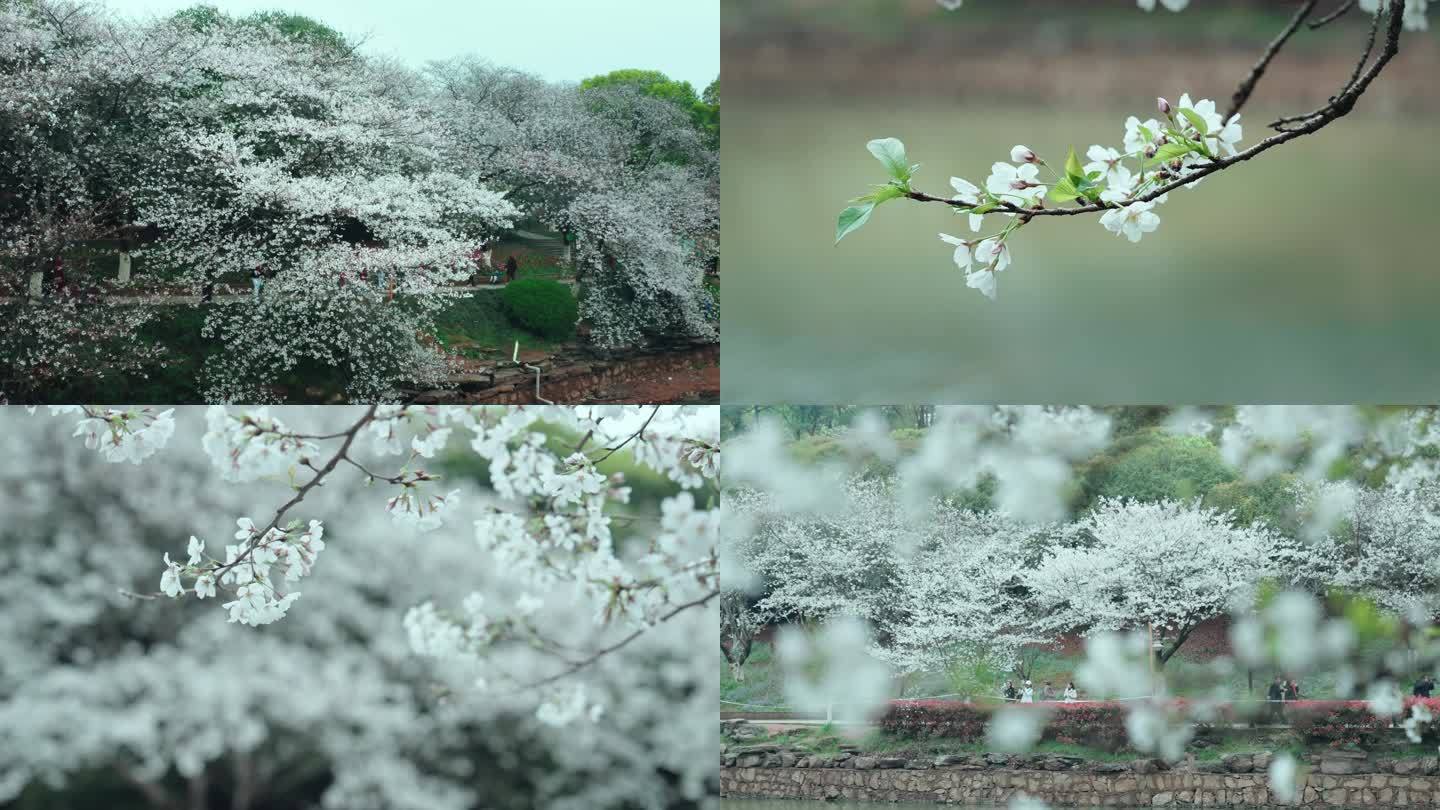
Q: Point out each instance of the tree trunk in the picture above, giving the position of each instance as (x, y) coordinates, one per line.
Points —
(1180, 637)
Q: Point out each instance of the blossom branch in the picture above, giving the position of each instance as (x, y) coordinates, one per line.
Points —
(1338, 107)
(594, 657)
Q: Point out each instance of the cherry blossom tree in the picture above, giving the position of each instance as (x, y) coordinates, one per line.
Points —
(359, 187)
(1174, 148)
(629, 175)
(540, 613)
(1385, 544)
(1166, 564)
(936, 588)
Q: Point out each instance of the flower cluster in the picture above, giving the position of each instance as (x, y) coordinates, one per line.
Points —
(247, 569)
(1130, 183)
(252, 445)
(1189, 141)
(125, 435)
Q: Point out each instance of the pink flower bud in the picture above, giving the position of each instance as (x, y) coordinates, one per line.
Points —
(1022, 154)
(1163, 106)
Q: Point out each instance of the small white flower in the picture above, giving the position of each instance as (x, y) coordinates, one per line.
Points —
(994, 253)
(205, 586)
(1020, 182)
(962, 255)
(1022, 154)
(969, 192)
(1110, 163)
(1135, 140)
(196, 550)
(1133, 221)
(433, 442)
(170, 580)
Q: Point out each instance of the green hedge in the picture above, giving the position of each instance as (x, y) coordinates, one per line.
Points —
(547, 308)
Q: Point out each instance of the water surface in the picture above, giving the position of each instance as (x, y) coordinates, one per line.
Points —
(1306, 275)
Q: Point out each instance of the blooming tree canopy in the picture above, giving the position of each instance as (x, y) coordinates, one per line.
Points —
(356, 187)
(259, 618)
(1166, 564)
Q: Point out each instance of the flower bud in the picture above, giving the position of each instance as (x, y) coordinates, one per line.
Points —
(1163, 106)
(1176, 164)
(1150, 150)
(1022, 154)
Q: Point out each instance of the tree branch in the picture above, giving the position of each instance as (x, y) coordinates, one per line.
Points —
(604, 651)
(1247, 86)
(1339, 106)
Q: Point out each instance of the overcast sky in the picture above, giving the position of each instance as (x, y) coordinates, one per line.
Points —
(561, 40)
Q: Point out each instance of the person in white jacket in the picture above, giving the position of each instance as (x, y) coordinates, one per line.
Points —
(1027, 695)
(1070, 694)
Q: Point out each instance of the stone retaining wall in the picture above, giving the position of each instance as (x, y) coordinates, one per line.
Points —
(1336, 780)
(571, 377)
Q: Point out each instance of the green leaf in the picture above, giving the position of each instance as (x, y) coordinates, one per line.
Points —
(1073, 169)
(885, 193)
(984, 209)
(1063, 191)
(1170, 151)
(1195, 121)
(891, 154)
(852, 218)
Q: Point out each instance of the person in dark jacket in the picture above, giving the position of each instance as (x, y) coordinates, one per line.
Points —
(512, 268)
(1276, 697)
(1009, 692)
(1423, 687)
(1292, 689)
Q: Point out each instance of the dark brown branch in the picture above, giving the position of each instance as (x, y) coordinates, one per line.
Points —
(1339, 107)
(604, 651)
(221, 570)
(1242, 93)
(1334, 15)
(1280, 123)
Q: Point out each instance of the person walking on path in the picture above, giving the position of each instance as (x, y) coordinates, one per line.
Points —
(1027, 695)
(1009, 692)
(1048, 692)
(512, 268)
(257, 280)
(1071, 695)
(1292, 689)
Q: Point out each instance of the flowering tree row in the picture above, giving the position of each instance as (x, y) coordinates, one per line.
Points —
(877, 566)
(1176, 148)
(359, 186)
(308, 601)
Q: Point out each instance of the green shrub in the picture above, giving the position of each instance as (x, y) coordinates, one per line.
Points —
(547, 308)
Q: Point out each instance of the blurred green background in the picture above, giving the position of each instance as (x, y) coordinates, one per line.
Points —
(1308, 275)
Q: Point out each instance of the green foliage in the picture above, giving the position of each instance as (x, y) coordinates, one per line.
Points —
(547, 308)
(704, 111)
(852, 219)
(300, 28)
(297, 27)
(1162, 465)
(1271, 500)
(891, 154)
(974, 679)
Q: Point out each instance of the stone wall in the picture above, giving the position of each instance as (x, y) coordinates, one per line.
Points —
(1343, 780)
(574, 376)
